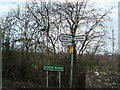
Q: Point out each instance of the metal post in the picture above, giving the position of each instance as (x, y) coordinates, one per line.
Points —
(72, 62)
(47, 79)
(71, 70)
(59, 79)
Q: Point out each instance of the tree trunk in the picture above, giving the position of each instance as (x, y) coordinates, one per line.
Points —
(80, 74)
(81, 80)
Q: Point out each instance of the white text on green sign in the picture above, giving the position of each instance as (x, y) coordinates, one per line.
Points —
(53, 68)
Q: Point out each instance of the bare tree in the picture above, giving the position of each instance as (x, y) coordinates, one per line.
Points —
(73, 14)
(92, 20)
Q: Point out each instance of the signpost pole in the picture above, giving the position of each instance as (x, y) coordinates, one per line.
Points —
(69, 40)
(71, 70)
(47, 79)
(59, 79)
(72, 59)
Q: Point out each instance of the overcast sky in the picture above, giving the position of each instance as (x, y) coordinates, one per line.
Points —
(7, 5)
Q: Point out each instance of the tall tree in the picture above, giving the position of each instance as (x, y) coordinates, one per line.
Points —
(72, 15)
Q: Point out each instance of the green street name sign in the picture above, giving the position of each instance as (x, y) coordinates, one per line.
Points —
(53, 68)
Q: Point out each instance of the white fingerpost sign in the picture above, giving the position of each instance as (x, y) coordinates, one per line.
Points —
(67, 43)
(65, 38)
(79, 38)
